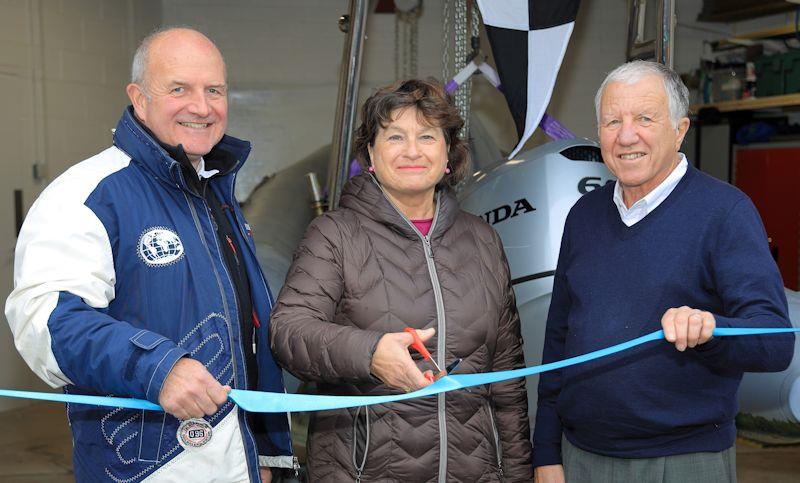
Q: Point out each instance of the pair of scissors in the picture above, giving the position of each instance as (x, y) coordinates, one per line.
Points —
(419, 346)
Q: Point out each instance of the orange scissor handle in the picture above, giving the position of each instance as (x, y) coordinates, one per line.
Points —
(418, 344)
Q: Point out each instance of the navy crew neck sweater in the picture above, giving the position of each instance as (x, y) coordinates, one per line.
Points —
(704, 247)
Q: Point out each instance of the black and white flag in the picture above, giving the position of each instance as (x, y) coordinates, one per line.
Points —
(529, 39)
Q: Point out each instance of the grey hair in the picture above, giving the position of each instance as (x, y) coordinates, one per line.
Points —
(139, 65)
(634, 71)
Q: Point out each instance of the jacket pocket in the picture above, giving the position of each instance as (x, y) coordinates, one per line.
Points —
(360, 440)
(496, 436)
(150, 436)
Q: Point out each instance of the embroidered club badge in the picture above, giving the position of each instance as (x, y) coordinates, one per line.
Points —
(194, 433)
(160, 246)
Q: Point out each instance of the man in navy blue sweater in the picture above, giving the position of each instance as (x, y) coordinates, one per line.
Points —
(666, 246)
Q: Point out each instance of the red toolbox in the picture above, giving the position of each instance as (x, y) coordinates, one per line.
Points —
(770, 175)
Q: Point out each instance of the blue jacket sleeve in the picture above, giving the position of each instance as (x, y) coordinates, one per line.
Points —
(106, 355)
(64, 280)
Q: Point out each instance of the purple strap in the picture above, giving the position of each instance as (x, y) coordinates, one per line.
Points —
(355, 169)
(550, 125)
(555, 129)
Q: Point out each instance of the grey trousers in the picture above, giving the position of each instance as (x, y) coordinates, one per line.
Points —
(584, 467)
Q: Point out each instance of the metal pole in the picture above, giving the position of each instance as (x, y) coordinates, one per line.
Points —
(660, 48)
(355, 24)
(666, 28)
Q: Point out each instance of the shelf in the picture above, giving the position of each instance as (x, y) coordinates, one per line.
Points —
(749, 38)
(786, 100)
(742, 10)
(765, 34)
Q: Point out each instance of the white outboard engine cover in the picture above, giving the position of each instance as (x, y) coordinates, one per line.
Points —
(527, 200)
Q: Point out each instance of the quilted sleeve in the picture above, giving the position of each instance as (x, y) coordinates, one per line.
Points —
(303, 335)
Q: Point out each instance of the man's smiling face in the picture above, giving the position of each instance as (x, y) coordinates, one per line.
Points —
(184, 97)
(638, 140)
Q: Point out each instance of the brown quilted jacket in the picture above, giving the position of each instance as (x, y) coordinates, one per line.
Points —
(362, 271)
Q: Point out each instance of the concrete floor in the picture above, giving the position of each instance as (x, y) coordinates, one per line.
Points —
(35, 446)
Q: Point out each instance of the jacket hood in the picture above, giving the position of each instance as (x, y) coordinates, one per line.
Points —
(364, 195)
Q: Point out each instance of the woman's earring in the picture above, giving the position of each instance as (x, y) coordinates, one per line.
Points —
(447, 170)
(371, 169)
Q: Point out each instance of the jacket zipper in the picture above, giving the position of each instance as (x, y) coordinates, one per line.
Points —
(496, 439)
(226, 309)
(254, 317)
(252, 251)
(441, 325)
(242, 419)
(360, 466)
(440, 346)
(295, 462)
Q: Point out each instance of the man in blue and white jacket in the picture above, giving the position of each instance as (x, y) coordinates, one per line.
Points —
(135, 275)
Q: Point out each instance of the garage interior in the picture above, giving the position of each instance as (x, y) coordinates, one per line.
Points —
(64, 65)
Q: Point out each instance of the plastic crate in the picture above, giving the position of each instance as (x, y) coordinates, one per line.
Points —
(791, 72)
(770, 80)
(727, 83)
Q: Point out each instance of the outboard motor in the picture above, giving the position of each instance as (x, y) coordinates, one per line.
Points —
(527, 200)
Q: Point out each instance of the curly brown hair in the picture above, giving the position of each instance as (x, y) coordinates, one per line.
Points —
(436, 107)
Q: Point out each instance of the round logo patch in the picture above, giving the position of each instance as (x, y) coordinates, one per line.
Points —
(194, 433)
(160, 246)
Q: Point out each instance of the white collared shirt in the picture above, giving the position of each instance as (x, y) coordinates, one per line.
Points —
(640, 209)
(201, 170)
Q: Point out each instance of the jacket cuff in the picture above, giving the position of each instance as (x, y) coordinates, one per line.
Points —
(547, 454)
(276, 461)
(362, 355)
(165, 354)
(716, 345)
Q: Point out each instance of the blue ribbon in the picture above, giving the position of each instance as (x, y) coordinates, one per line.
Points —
(272, 402)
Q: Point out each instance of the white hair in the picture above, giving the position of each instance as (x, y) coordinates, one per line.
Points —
(634, 71)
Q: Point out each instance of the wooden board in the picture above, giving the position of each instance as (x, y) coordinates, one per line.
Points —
(754, 103)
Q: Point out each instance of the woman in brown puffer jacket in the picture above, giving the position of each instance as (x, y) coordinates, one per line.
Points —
(397, 253)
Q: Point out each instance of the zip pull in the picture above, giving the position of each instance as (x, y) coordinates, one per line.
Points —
(427, 245)
(233, 249)
(256, 326)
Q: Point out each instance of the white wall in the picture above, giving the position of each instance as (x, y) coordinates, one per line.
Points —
(63, 68)
(283, 60)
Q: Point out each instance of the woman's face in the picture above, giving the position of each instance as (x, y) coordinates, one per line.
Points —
(409, 156)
